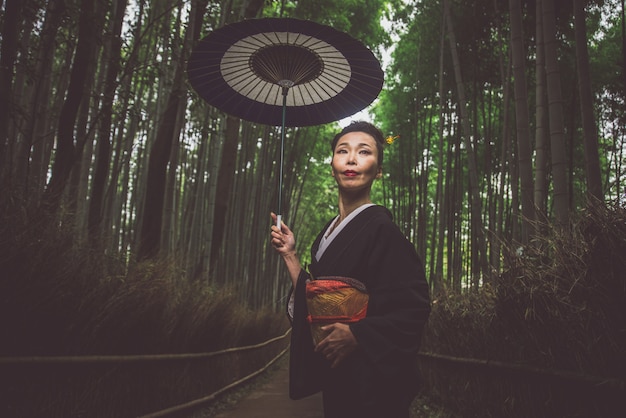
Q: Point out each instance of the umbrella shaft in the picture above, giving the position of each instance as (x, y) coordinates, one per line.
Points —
(282, 157)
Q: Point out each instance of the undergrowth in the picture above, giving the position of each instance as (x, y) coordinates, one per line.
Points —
(557, 316)
(58, 298)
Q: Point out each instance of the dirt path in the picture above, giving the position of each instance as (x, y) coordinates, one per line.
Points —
(271, 400)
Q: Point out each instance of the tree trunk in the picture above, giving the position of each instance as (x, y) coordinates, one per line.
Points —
(22, 99)
(66, 152)
(590, 130)
(474, 192)
(224, 187)
(196, 218)
(229, 156)
(169, 225)
(555, 107)
(505, 75)
(150, 238)
(76, 194)
(541, 119)
(103, 158)
(8, 55)
(623, 21)
(42, 102)
(439, 220)
(152, 219)
(522, 121)
(456, 214)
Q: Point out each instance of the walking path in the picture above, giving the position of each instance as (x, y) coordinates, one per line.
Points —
(271, 400)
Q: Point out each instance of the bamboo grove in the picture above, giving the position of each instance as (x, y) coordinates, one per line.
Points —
(508, 114)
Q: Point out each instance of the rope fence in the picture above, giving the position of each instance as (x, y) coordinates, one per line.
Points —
(530, 370)
(481, 387)
(150, 358)
(129, 385)
(162, 385)
(204, 400)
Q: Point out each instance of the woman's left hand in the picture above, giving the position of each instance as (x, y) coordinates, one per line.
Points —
(338, 344)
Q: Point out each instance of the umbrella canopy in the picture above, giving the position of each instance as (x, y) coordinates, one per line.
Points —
(284, 71)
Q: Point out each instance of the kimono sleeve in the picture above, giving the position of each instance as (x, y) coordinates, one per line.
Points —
(399, 303)
(306, 368)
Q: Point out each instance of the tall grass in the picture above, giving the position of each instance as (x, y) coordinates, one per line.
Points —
(58, 298)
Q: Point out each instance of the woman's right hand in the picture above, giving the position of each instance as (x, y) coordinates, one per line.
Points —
(284, 243)
(283, 240)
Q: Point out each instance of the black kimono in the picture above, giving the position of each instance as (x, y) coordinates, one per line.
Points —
(380, 378)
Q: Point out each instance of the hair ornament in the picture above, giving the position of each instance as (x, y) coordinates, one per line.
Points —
(391, 139)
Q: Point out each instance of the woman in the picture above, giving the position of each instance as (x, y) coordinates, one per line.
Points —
(366, 368)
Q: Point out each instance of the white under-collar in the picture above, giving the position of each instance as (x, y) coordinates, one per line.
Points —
(329, 236)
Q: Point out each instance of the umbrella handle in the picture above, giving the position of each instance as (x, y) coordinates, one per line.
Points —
(279, 219)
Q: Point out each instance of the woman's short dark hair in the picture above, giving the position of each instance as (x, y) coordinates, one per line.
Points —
(368, 128)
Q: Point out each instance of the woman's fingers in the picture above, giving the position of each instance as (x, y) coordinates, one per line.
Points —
(338, 343)
(278, 238)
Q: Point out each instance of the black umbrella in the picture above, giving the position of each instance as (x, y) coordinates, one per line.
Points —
(286, 72)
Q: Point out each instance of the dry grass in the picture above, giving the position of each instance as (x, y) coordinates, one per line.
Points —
(57, 298)
(559, 307)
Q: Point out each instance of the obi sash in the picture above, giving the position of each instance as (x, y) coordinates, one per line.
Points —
(334, 299)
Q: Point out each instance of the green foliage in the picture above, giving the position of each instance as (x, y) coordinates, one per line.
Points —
(607, 67)
(318, 203)
(360, 18)
(411, 105)
(425, 181)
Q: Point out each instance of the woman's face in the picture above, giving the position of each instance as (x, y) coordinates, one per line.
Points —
(355, 162)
